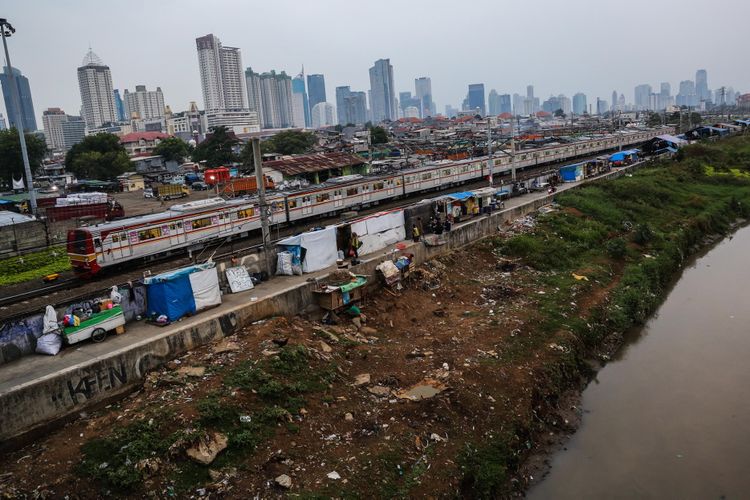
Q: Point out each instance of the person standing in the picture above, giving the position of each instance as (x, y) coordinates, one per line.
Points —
(355, 244)
(415, 233)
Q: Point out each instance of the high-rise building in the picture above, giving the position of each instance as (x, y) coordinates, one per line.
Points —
(74, 130)
(356, 108)
(24, 97)
(406, 100)
(518, 104)
(271, 94)
(97, 94)
(300, 103)
(342, 93)
(423, 92)
(3, 125)
(221, 75)
(505, 104)
(323, 115)
(119, 107)
(601, 106)
(52, 119)
(382, 91)
(642, 97)
(476, 98)
(687, 95)
(144, 104)
(701, 85)
(614, 101)
(61, 131)
(316, 89)
(493, 102)
(579, 104)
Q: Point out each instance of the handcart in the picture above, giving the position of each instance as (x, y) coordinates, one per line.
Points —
(95, 327)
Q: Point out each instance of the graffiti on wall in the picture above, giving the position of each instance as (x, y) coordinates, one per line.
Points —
(101, 379)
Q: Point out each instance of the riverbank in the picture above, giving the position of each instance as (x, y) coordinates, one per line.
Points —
(498, 330)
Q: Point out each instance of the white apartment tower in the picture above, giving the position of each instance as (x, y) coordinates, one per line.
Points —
(97, 97)
(53, 119)
(222, 80)
(144, 104)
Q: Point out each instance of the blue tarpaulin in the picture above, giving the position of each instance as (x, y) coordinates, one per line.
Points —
(464, 195)
(572, 173)
(172, 297)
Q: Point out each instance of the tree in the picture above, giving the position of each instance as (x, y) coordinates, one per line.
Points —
(696, 118)
(654, 120)
(217, 149)
(11, 160)
(559, 113)
(378, 135)
(290, 142)
(98, 156)
(246, 157)
(172, 149)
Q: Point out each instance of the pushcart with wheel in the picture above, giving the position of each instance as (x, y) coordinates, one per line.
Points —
(95, 327)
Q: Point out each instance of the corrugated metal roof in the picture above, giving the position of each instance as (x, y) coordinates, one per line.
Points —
(301, 164)
(9, 218)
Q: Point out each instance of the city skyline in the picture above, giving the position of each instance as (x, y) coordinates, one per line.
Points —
(347, 64)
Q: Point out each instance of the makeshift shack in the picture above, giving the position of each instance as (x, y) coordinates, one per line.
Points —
(313, 250)
(341, 289)
(572, 173)
(175, 294)
(378, 231)
(622, 158)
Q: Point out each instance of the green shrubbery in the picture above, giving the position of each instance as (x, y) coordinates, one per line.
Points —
(33, 265)
(649, 221)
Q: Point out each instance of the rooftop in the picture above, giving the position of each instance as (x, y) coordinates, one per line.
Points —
(317, 162)
(142, 136)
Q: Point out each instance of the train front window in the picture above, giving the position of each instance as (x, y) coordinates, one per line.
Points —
(77, 242)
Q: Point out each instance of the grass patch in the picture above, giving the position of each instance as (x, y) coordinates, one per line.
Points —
(33, 266)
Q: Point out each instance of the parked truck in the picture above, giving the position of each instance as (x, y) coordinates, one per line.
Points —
(167, 191)
(243, 185)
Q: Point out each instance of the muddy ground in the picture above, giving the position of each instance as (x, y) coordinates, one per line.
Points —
(329, 412)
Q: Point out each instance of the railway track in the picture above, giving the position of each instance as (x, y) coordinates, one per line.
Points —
(33, 301)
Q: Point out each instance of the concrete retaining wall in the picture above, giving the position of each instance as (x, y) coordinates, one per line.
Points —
(37, 403)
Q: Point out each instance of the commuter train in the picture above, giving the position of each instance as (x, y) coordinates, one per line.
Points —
(191, 225)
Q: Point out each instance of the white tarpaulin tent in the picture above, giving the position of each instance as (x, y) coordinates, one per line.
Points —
(380, 231)
(320, 248)
(205, 285)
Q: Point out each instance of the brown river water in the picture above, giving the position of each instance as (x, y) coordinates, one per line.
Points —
(669, 417)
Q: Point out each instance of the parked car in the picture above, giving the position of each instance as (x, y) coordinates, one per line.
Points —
(199, 186)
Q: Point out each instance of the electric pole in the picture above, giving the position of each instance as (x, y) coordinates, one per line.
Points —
(264, 209)
(6, 30)
(490, 163)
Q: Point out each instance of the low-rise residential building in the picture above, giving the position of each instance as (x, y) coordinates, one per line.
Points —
(141, 143)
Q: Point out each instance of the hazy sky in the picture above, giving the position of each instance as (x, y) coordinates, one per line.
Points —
(559, 46)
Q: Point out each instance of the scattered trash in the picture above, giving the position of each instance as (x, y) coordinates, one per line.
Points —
(349, 417)
(208, 447)
(246, 419)
(226, 345)
(423, 390)
(437, 437)
(333, 475)
(325, 347)
(362, 379)
(192, 371)
(379, 390)
(579, 277)
(284, 481)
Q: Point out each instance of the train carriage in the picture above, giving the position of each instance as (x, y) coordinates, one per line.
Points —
(193, 224)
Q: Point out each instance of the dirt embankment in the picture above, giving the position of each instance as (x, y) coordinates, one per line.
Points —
(332, 410)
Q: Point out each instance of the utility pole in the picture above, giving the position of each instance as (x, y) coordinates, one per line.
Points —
(262, 203)
(7, 30)
(490, 163)
(512, 151)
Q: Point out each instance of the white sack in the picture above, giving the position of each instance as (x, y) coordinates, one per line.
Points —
(50, 320)
(49, 343)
